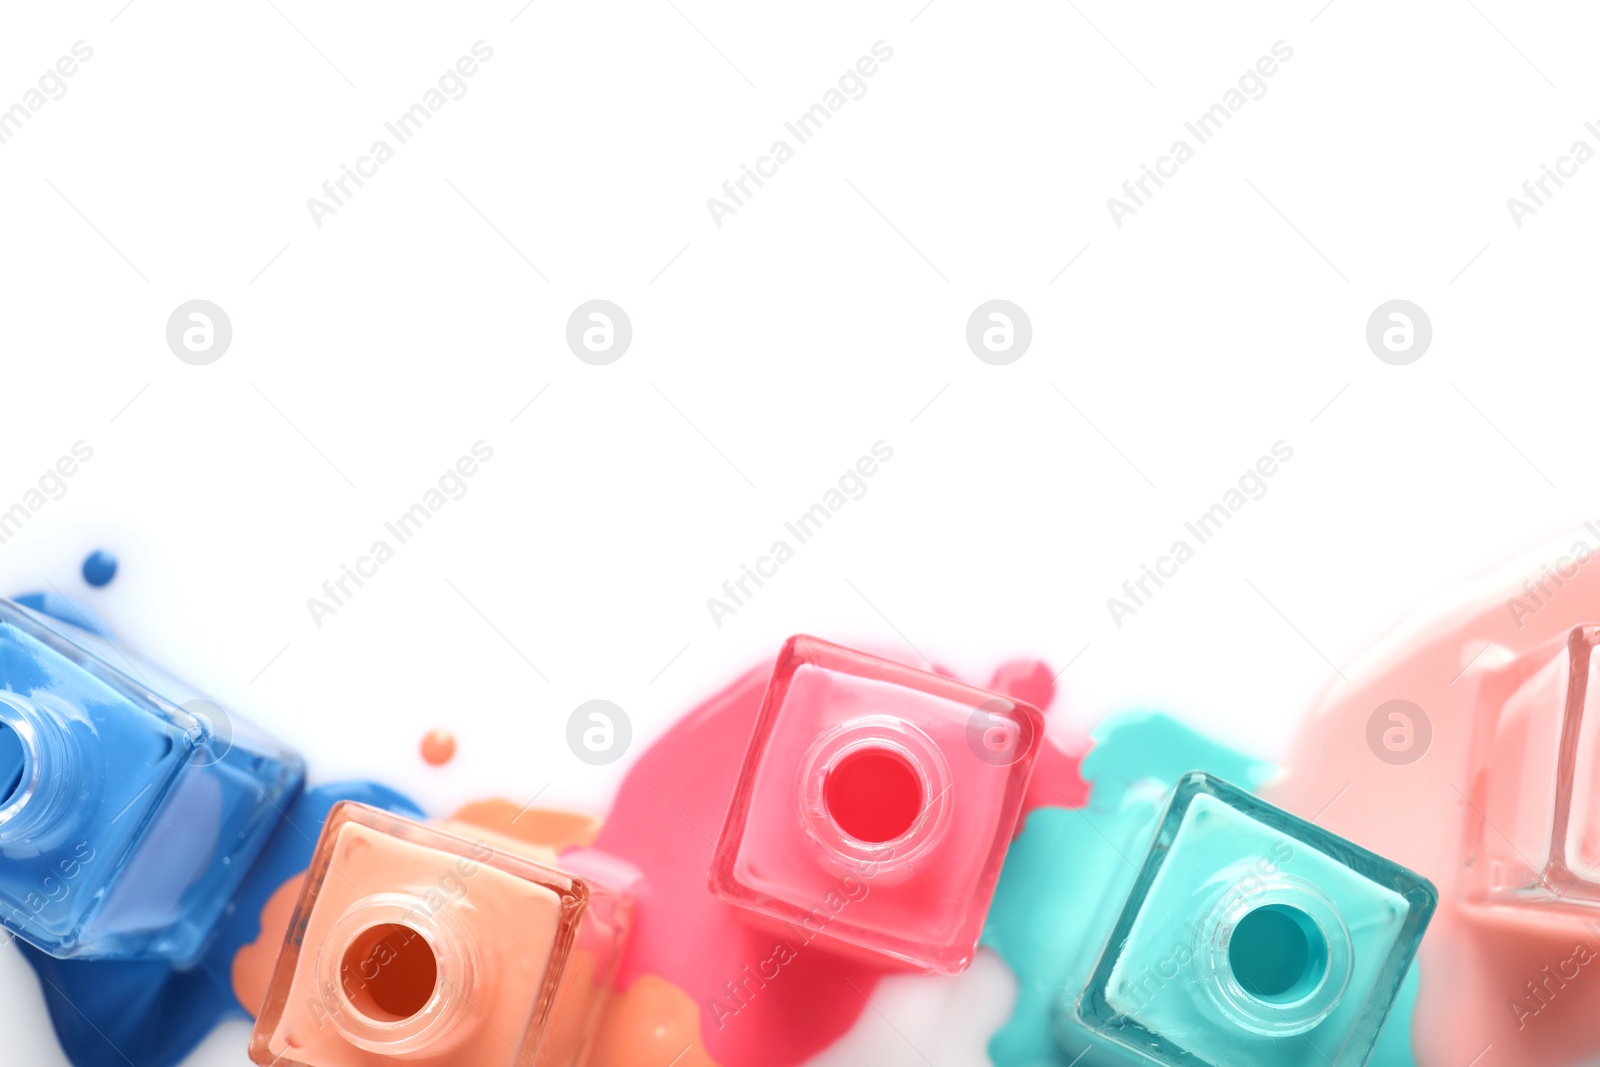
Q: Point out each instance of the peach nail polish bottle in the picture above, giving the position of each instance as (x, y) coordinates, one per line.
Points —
(412, 944)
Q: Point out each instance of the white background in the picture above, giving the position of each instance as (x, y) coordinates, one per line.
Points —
(827, 314)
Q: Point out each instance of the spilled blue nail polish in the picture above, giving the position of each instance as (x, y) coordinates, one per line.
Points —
(65, 609)
(127, 819)
(99, 568)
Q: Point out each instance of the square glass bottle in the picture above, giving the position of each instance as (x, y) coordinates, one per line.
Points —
(1533, 818)
(412, 943)
(127, 818)
(875, 805)
(1252, 938)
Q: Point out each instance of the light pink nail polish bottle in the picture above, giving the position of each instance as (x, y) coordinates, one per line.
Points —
(1533, 820)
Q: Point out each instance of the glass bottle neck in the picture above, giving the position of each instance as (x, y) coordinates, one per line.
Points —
(875, 795)
(1277, 955)
(397, 972)
(40, 774)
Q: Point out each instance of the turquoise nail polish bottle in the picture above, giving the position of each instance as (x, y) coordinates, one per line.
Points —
(1251, 938)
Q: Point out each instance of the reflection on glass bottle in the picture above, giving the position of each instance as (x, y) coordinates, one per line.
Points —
(1251, 938)
(1533, 821)
(126, 820)
(875, 806)
(418, 944)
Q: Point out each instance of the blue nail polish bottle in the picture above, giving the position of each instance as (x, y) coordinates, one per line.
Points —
(126, 820)
(1251, 938)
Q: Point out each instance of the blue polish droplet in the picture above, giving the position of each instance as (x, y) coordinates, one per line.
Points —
(99, 568)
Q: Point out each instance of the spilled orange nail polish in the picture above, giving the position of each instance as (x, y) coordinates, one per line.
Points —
(253, 963)
(654, 1022)
(414, 943)
(548, 828)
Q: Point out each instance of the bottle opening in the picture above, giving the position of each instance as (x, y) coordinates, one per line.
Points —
(389, 972)
(1278, 954)
(13, 763)
(874, 795)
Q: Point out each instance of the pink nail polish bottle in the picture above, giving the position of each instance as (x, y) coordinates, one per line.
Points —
(411, 944)
(1533, 817)
(875, 806)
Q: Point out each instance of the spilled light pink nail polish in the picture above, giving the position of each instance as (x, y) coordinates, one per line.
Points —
(1474, 800)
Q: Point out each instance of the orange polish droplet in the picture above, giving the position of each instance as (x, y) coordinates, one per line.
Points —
(439, 747)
